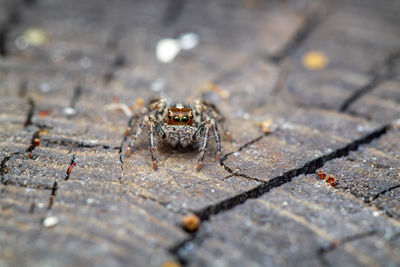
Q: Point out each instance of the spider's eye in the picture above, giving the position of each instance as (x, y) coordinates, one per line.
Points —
(169, 116)
(177, 119)
(185, 119)
(191, 116)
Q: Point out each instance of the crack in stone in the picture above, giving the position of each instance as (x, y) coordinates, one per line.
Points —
(310, 167)
(75, 144)
(376, 196)
(75, 97)
(71, 165)
(232, 172)
(312, 21)
(52, 195)
(336, 244)
(385, 72)
(173, 12)
(31, 112)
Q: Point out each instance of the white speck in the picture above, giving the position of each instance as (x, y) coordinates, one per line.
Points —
(157, 86)
(375, 213)
(184, 205)
(212, 190)
(69, 111)
(360, 128)
(167, 49)
(45, 87)
(188, 41)
(89, 201)
(85, 62)
(40, 205)
(246, 116)
(285, 203)
(50, 221)
(21, 43)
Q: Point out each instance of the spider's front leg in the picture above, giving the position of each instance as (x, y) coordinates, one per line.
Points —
(204, 131)
(154, 129)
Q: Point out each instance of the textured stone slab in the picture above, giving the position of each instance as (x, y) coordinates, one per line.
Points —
(372, 172)
(305, 222)
(382, 104)
(298, 139)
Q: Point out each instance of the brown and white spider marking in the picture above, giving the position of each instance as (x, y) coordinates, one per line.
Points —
(179, 125)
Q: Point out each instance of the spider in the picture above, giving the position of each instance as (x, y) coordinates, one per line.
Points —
(179, 125)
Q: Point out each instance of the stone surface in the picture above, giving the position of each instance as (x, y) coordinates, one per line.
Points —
(73, 72)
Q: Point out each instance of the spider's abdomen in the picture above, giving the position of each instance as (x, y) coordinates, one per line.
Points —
(180, 135)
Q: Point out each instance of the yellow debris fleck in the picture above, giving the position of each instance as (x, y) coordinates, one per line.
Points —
(315, 60)
(212, 87)
(171, 264)
(265, 125)
(35, 36)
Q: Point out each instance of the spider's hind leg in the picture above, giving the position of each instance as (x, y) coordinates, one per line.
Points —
(139, 128)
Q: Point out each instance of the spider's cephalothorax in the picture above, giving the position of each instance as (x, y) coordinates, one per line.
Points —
(179, 125)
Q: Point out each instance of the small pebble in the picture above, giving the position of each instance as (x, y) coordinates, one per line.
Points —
(191, 222)
(167, 49)
(50, 221)
(69, 111)
(188, 41)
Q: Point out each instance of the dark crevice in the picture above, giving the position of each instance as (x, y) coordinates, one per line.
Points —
(31, 112)
(46, 142)
(75, 97)
(29, 2)
(12, 20)
(308, 168)
(3, 168)
(3, 40)
(173, 12)
(52, 195)
(312, 21)
(334, 245)
(383, 73)
(118, 62)
(34, 141)
(71, 165)
(376, 196)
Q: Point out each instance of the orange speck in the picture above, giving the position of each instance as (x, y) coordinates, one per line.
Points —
(36, 141)
(265, 125)
(315, 60)
(322, 175)
(331, 180)
(44, 113)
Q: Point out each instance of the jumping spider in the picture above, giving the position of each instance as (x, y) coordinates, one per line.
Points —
(179, 125)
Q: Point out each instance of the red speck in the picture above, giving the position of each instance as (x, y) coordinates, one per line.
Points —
(44, 113)
(331, 180)
(36, 142)
(322, 175)
(116, 99)
(69, 169)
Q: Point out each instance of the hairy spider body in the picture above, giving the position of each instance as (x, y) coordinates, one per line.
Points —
(179, 125)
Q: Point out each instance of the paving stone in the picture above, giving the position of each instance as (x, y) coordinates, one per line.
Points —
(372, 172)
(310, 223)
